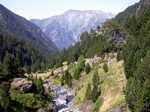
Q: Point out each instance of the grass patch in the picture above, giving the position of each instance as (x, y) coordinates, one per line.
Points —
(112, 87)
(56, 80)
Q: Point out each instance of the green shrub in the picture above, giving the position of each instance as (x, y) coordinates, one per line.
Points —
(29, 100)
(105, 67)
(87, 68)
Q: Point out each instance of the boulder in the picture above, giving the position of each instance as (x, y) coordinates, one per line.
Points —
(22, 84)
(41, 110)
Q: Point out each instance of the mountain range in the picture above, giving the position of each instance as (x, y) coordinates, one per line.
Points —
(65, 30)
(20, 27)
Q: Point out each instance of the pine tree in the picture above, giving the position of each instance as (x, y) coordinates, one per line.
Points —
(4, 96)
(62, 80)
(105, 67)
(98, 27)
(49, 90)
(88, 92)
(138, 88)
(39, 85)
(7, 65)
(17, 66)
(77, 73)
(81, 62)
(119, 56)
(43, 67)
(27, 69)
(87, 68)
(68, 78)
(1, 69)
(52, 73)
(95, 91)
(95, 79)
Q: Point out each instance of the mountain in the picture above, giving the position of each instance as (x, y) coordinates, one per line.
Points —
(19, 26)
(135, 10)
(67, 28)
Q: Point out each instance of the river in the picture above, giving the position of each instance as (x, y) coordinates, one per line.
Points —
(63, 99)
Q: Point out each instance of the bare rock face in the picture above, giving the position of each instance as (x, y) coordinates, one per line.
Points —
(145, 2)
(22, 84)
(65, 30)
(117, 37)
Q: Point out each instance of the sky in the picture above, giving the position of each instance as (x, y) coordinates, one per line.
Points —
(39, 9)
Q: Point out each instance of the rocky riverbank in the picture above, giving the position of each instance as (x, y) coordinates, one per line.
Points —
(63, 99)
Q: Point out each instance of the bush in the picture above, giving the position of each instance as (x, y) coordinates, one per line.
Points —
(105, 67)
(87, 68)
(119, 56)
(29, 100)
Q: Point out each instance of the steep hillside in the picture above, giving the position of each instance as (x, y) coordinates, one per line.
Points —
(93, 56)
(111, 84)
(20, 57)
(17, 92)
(19, 26)
(136, 55)
(66, 29)
(134, 10)
(109, 38)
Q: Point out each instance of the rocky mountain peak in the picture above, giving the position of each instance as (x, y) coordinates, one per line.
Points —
(65, 30)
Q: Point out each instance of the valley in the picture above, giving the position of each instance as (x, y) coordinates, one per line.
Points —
(78, 61)
(112, 85)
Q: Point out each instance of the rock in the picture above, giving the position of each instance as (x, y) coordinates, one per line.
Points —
(120, 108)
(96, 59)
(117, 37)
(41, 110)
(22, 84)
(65, 63)
(93, 61)
(65, 68)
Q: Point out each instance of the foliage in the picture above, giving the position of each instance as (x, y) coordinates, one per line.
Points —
(88, 92)
(80, 66)
(66, 79)
(77, 73)
(94, 92)
(119, 56)
(52, 73)
(136, 55)
(129, 11)
(87, 68)
(4, 96)
(135, 10)
(81, 62)
(105, 67)
(39, 85)
(97, 42)
(23, 56)
(19, 56)
(27, 100)
(98, 104)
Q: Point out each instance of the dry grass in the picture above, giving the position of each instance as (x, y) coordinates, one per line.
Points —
(112, 87)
